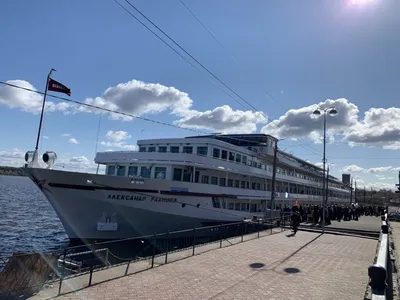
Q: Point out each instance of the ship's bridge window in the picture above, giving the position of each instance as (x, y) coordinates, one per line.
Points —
(177, 174)
(238, 158)
(244, 159)
(202, 150)
(132, 171)
(204, 179)
(187, 149)
(174, 149)
(121, 170)
(142, 149)
(224, 154)
(152, 149)
(214, 180)
(162, 149)
(160, 172)
(231, 156)
(145, 172)
(216, 152)
(186, 176)
(111, 170)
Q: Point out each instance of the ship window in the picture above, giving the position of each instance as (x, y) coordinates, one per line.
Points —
(253, 185)
(186, 176)
(254, 164)
(121, 170)
(243, 184)
(201, 150)
(162, 149)
(152, 149)
(214, 180)
(231, 156)
(244, 159)
(237, 206)
(145, 172)
(111, 170)
(160, 172)
(142, 149)
(230, 205)
(238, 158)
(177, 176)
(174, 149)
(258, 186)
(215, 202)
(222, 181)
(230, 182)
(216, 152)
(187, 149)
(237, 183)
(224, 154)
(205, 179)
(132, 170)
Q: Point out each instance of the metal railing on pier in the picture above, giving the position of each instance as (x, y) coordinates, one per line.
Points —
(84, 265)
(380, 273)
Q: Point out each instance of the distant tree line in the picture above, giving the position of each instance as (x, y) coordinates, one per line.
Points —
(11, 171)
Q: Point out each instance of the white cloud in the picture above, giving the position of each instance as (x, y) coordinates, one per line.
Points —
(13, 158)
(45, 137)
(320, 165)
(119, 145)
(353, 169)
(358, 169)
(66, 134)
(73, 141)
(138, 98)
(302, 122)
(118, 139)
(26, 100)
(379, 127)
(223, 119)
(117, 136)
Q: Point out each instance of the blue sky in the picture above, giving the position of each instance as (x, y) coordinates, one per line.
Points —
(300, 52)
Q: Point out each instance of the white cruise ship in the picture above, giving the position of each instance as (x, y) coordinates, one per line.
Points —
(179, 183)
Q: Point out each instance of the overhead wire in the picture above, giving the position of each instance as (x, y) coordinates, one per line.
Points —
(209, 31)
(163, 123)
(115, 111)
(177, 52)
(236, 61)
(199, 63)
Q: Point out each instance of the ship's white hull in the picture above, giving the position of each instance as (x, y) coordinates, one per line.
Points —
(95, 210)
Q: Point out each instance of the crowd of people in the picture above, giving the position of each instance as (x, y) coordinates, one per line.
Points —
(314, 214)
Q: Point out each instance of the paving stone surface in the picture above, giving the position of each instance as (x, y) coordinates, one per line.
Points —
(307, 266)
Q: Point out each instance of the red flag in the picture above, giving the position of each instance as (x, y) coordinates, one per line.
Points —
(58, 87)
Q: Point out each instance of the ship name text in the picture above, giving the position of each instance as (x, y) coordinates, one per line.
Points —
(141, 198)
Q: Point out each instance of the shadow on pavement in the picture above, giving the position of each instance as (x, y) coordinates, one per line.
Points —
(291, 270)
(256, 265)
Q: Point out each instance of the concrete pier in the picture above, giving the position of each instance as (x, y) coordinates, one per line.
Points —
(279, 266)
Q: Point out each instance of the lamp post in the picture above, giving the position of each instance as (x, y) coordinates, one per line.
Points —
(332, 111)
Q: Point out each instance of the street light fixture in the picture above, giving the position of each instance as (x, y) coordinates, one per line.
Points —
(332, 111)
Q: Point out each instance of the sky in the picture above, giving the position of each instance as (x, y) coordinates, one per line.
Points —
(265, 67)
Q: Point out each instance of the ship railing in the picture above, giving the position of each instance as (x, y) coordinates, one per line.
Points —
(81, 266)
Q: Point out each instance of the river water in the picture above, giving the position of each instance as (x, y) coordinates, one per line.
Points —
(28, 223)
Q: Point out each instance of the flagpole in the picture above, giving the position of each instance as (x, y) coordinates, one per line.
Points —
(43, 106)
